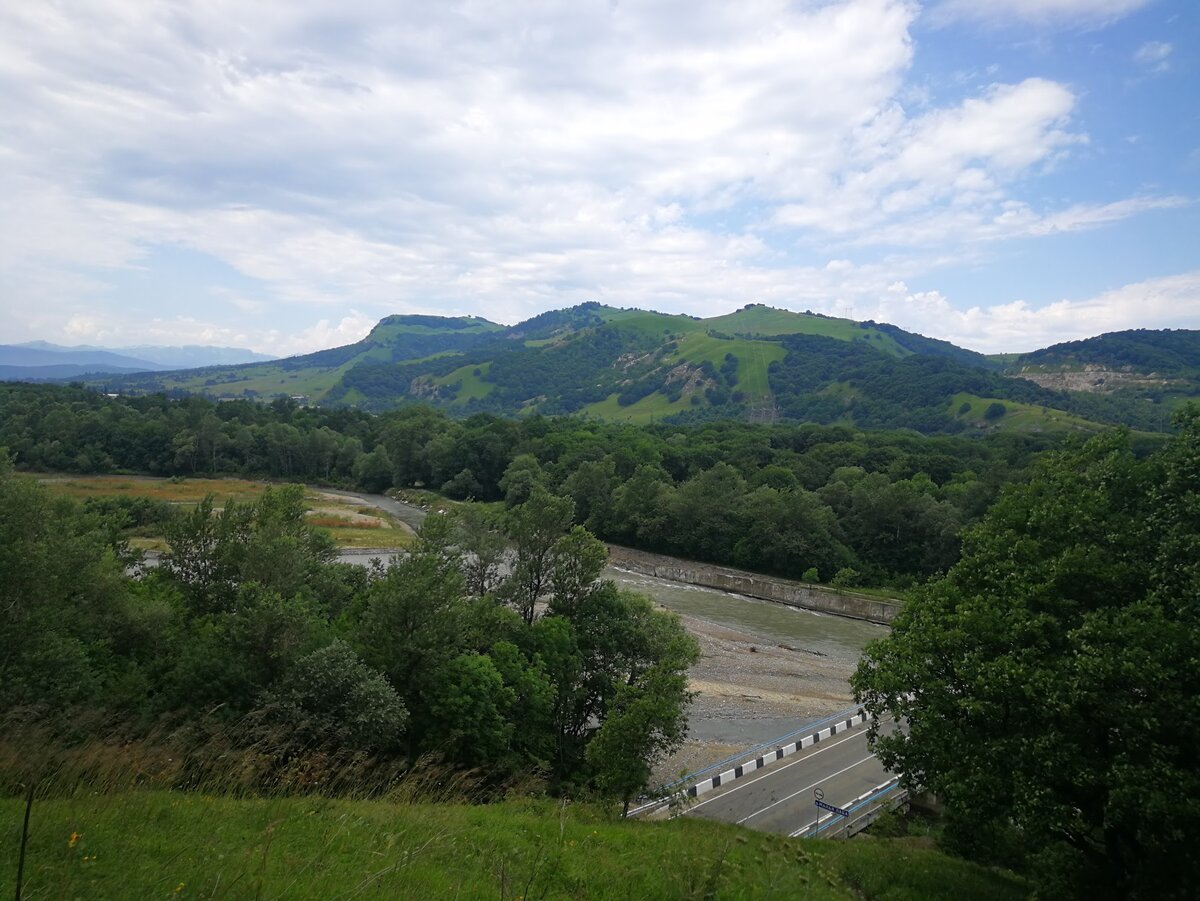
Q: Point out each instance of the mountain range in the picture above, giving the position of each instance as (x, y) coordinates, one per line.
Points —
(758, 363)
(43, 361)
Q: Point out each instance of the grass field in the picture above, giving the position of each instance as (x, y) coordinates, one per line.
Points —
(349, 523)
(473, 386)
(1020, 417)
(160, 844)
(766, 321)
(754, 357)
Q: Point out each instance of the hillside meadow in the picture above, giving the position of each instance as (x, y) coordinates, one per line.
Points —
(162, 844)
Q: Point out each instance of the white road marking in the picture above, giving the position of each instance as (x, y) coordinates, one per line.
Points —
(769, 771)
(803, 790)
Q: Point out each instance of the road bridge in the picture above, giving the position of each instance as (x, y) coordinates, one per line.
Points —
(772, 788)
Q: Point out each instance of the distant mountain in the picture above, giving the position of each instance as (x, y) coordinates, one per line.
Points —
(40, 360)
(60, 372)
(187, 356)
(758, 363)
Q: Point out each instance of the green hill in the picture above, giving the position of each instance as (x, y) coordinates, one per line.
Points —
(164, 844)
(313, 376)
(757, 363)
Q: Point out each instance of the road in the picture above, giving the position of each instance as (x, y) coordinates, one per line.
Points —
(779, 798)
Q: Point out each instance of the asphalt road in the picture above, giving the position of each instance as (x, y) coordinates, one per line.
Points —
(779, 798)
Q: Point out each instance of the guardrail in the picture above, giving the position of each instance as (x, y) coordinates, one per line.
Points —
(753, 759)
(864, 810)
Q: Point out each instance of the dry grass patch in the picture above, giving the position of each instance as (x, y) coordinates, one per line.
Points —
(178, 491)
(350, 523)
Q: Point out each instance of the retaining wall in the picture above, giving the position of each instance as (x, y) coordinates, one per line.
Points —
(768, 588)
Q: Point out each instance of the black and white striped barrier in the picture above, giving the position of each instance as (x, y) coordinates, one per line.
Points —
(769, 757)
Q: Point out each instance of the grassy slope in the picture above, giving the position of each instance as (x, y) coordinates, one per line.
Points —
(753, 359)
(314, 382)
(695, 345)
(162, 844)
(1020, 417)
(649, 323)
(653, 406)
(473, 386)
(766, 321)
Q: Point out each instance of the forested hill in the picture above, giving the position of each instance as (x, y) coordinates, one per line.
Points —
(1169, 353)
(757, 364)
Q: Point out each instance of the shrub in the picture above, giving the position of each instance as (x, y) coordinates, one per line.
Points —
(995, 411)
(846, 577)
(331, 698)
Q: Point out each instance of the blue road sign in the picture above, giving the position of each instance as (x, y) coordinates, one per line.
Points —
(832, 809)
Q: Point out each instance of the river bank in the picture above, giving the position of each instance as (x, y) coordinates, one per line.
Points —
(769, 588)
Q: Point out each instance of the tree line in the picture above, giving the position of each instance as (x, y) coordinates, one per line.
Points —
(804, 501)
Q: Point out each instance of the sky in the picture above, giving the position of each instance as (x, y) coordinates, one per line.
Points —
(1003, 174)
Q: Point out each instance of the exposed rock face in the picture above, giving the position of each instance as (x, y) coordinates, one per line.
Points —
(1092, 378)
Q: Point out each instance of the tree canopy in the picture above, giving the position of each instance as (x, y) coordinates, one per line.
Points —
(1047, 688)
(506, 666)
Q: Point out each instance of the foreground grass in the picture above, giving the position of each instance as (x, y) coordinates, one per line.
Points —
(163, 844)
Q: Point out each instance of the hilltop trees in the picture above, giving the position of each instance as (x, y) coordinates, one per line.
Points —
(1048, 684)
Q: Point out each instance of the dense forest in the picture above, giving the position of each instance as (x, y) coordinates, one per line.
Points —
(1167, 352)
(822, 503)
(261, 660)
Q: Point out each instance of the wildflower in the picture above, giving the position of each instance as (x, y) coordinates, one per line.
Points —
(74, 839)
(179, 888)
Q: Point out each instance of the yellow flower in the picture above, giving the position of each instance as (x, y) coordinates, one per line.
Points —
(75, 837)
(179, 888)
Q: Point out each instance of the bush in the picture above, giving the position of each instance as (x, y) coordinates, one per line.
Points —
(331, 698)
(846, 577)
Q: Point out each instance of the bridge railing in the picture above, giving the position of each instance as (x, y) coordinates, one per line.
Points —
(864, 810)
(749, 760)
(763, 746)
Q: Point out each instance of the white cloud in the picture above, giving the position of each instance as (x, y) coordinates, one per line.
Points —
(1170, 302)
(1154, 55)
(1068, 13)
(370, 158)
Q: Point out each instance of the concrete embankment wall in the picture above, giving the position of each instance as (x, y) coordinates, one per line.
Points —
(768, 588)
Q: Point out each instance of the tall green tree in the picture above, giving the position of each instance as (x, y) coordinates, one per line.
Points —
(1047, 686)
(534, 527)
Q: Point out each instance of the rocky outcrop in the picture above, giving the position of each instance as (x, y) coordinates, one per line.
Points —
(1091, 378)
